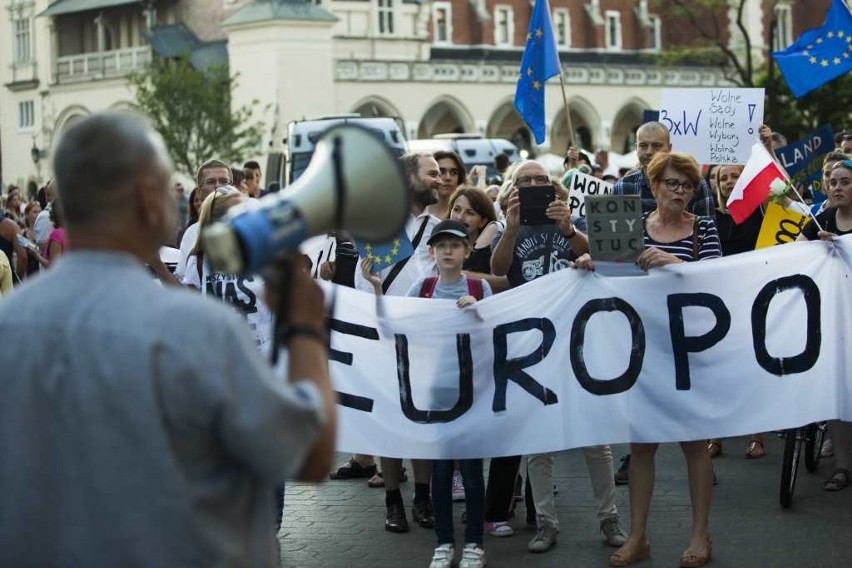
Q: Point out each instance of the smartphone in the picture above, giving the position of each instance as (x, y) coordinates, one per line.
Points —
(534, 201)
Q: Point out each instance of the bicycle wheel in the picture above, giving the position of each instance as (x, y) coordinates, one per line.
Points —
(813, 445)
(790, 464)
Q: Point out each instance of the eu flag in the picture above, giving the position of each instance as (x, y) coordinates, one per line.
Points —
(386, 254)
(819, 55)
(540, 63)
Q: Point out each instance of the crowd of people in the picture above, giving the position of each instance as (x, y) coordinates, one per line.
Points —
(179, 380)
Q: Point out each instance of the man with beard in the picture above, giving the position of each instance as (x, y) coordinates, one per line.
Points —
(423, 176)
(653, 137)
(451, 167)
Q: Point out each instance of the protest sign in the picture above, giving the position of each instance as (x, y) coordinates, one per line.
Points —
(716, 126)
(593, 360)
(780, 226)
(581, 186)
(614, 225)
(795, 156)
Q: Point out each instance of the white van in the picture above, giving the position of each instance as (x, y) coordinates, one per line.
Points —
(303, 135)
(473, 149)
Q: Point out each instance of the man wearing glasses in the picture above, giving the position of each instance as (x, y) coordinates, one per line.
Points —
(211, 175)
(653, 137)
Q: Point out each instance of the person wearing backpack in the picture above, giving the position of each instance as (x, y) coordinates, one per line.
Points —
(449, 246)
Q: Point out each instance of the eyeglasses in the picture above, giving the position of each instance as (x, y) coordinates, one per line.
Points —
(675, 184)
(213, 183)
(449, 171)
(528, 180)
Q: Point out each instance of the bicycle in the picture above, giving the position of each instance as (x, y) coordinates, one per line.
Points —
(812, 435)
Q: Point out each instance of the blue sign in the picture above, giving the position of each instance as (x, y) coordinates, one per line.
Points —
(796, 156)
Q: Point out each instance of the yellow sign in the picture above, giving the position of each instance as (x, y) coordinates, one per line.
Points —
(780, 226)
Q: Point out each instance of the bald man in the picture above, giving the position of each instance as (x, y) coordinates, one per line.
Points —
(148, 431)
(653, 137)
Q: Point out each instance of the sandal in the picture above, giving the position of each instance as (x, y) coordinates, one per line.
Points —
(755, 449)
(353, 470)
(714, 448)
(691, 559)
(840, 479)
(378, 480)
(623, 557)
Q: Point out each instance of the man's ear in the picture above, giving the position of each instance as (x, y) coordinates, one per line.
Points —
(149, 201)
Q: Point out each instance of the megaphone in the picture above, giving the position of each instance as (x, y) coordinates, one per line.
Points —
(354, 183)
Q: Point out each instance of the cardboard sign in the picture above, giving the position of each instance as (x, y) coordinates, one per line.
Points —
(615, 228)
(581, 186)
(780, 226)
(716, 126)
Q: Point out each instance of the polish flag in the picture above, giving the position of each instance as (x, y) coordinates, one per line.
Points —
(752, 188)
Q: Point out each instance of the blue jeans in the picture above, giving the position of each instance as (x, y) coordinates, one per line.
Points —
(474, 500)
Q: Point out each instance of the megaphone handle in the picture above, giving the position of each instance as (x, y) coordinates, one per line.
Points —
(339, 183)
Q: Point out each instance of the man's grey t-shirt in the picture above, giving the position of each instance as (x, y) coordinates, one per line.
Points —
(138, 424)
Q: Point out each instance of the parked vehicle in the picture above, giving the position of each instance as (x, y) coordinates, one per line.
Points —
(473, 148)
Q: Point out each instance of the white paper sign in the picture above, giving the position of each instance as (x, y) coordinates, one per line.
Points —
(575, 359)
(581, 186)
(717, 126)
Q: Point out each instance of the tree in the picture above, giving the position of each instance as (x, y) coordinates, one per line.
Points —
(191, 109)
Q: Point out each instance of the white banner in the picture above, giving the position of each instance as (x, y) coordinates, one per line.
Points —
(716, 126)
(575, 359)
(581, 186)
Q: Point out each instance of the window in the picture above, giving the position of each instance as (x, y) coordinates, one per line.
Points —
(386, 23)
(22, 46)
(656, 33)
(783, 27)
(442, 22)
(26, 115)
(613, 30)
(562, 27)
(504, 26)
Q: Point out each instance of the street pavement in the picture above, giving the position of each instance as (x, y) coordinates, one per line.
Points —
(340, 523)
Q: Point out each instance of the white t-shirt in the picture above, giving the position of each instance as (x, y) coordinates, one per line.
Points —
(187, 241)
(243, 292)
(43, 226)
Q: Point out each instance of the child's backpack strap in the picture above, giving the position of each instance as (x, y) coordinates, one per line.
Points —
(428, 286)
(474, 288)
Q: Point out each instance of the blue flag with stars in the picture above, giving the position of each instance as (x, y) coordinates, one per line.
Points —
(819, 55)
(386, 254)
(540, 63)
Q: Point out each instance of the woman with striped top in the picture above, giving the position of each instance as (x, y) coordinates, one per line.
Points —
(672, 235)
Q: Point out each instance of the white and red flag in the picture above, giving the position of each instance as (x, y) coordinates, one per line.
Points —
(752, 188)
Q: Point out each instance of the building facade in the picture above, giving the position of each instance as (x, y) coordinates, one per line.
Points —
(441, 66)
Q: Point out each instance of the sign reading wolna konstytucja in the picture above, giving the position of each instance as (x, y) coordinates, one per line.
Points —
(615, 232)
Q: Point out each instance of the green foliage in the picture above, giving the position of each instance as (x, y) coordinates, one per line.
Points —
(192, 111)
(829, 104)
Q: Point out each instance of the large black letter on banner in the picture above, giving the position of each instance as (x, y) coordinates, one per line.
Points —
(344, 399)
(465, 400)
(682, 345)
(806, 359)
(578, 338)
(506, 370)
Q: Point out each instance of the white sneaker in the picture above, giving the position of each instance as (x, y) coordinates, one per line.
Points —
(827, 449)
(615, 537)
(443, 557)
(472, 557)
(458, 487)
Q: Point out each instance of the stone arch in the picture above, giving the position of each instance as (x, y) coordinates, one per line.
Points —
(69, 116)
(505, 122)
(627, 120)
(446, 115)
(373, 106)
(122, 105)
(586, 122)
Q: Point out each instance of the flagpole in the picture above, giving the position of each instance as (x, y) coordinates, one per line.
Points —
(801, 199)
(567, 109)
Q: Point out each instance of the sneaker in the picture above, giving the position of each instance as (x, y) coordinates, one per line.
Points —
(615, 537)
(443, 557)
(458, 487)
(499, 528)
(545, 536)
(472, 557)
(622, 476)
(395, 520)
(827, 449)
(423, 514)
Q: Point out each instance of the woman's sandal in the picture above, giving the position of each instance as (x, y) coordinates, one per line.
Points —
(690, 559)
(755, 449)
(623, 557)
(714, 448)
(353, 470)
(840, 479)
(378, 480)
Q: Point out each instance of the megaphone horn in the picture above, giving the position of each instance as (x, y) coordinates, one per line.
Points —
(351, 172)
